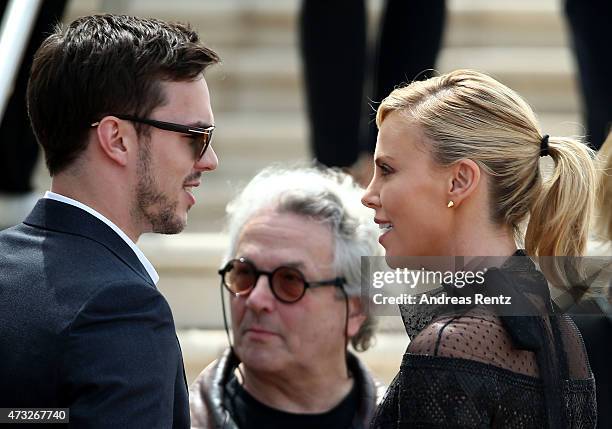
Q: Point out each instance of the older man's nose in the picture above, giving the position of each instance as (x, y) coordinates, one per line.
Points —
(261, 297)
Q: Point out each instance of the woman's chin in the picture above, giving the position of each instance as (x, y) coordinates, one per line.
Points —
(411, 258)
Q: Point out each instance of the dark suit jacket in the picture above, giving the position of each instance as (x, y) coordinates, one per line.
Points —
(83, 326)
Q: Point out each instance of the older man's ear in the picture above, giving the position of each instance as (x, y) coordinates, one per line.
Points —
(356, 316)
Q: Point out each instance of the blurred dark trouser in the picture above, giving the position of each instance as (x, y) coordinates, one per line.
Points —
(594, 320)
(589, 25)
(334, 50)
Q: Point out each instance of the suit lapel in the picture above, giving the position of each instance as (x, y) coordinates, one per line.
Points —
(60, 217)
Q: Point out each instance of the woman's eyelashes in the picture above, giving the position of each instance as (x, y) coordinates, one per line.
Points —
(384, 169)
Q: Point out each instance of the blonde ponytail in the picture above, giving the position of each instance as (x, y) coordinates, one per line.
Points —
(561, 212)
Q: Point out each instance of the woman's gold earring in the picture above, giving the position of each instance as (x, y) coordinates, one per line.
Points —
(450, 204)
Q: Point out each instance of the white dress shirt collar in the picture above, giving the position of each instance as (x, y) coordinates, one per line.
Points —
(141, 257)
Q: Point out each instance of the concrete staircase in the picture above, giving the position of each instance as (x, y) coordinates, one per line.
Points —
(258, 104)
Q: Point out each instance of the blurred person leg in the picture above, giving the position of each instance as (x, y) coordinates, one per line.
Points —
(333, 48)
(18, 146)
(588, 24)
(409, 40)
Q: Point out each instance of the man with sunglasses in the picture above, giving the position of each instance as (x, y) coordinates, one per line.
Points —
(292, 274)
(121, 109)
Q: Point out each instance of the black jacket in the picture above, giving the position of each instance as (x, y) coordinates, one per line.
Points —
(206, 394)
(82, 326)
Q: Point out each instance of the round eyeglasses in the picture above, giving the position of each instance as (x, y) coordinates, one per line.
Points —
(288, 284)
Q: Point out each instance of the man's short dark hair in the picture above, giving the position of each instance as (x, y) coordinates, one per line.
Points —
(105, 64)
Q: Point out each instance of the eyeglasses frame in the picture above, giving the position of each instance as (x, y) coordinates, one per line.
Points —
(338, 282)
(171, 126)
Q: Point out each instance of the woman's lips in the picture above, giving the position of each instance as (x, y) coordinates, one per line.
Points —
(385, 233)
(385, 227)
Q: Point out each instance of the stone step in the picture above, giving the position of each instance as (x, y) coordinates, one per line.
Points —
(265, 76)
(200, 347)
(269, 79)
(505, 23)
(263, 71)
(187, 265)
(272, 22)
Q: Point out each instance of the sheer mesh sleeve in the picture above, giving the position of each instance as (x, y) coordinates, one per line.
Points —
(478, 336)
(577, 360)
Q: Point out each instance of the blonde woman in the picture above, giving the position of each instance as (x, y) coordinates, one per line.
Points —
(457, 173)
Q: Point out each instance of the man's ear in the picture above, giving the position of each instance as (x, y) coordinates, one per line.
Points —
(356, 316)
(113, 138)
(465, 177)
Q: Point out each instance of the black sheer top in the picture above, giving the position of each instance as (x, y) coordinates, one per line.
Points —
(476, 366)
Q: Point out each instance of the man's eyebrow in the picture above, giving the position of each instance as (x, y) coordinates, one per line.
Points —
(294, 264)
(199, 124)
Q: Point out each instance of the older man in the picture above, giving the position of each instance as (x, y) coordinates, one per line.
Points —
(293, 276)
(121, 109)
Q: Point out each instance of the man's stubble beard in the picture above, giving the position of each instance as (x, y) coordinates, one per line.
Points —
(152, 206)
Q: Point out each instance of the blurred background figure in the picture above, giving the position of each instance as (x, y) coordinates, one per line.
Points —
(593, 315)
(603, 220)
(338, 66)
(18, 147)
(589, 22)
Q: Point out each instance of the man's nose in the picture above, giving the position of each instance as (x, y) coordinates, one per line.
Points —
(208, 162)
(261, 297)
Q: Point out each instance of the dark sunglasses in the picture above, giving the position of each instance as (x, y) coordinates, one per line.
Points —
(202, 136)
(288, 284)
